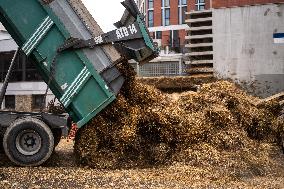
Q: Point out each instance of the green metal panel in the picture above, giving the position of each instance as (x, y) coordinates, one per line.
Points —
(76, 83)
(145, 33)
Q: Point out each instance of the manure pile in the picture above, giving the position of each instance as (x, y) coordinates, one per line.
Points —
(145, 127)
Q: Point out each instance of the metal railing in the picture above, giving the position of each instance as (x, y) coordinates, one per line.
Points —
(157, 69)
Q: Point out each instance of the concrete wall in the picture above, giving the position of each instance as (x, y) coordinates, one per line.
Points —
(7, 44)
(244, 49)
(238, 3)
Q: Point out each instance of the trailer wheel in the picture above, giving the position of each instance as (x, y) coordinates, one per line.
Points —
(28, 142)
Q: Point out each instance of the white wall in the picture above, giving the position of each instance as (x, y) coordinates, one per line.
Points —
(28, 88)
(7, 44)
(244, 49)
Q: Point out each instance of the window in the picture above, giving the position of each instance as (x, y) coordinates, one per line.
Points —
(10, 102)
(174, 42)
(182, 9)
(165, 12)
(38, 101)
(170, 42)
(199, 4)
(31, 73)
(159, 35)
(23, 70)
(150, 4)
(165, 3)
(182, 2)
(167, 17)
(150, 18)
(176, 39)
(153, 35)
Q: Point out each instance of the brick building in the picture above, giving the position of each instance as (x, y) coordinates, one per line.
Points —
(166, 18)
(166, 21)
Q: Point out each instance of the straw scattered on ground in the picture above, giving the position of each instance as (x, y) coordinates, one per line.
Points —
(61, 171)
(177, 83)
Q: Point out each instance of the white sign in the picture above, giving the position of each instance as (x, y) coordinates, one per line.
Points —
(98, 39)
(126, 31)
(278, 37)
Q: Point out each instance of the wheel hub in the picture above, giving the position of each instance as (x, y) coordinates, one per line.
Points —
(28, 142)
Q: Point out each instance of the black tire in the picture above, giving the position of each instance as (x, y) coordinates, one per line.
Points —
(57, 134)
(1, 141)
(2, 131)
(282, 143)
(28, 142)
(1, 145)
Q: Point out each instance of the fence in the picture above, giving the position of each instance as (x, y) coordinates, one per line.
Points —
(157, 69)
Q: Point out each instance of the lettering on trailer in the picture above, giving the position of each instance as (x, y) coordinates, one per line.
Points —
(278, 38)
(98, 40)
(126, 31)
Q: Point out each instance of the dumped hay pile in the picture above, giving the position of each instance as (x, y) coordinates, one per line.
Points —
(178, 83)
(144, 126)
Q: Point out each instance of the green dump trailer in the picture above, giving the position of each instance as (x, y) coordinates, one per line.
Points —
(75, 59)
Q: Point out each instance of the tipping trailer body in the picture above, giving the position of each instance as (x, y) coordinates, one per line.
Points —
(76, 60)
(85, 80)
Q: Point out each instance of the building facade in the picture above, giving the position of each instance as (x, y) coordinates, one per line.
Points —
(166, 21)
(26, 89)
(239, 40)
(249, 47)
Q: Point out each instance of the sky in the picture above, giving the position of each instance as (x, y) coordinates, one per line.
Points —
(105, 12)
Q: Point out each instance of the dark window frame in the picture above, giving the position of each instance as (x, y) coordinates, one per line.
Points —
(165, 7)
(8, 104)
(38, 101)
(200, 5)
(150, 21)
(167, 17)
(159, 34)
(23, 70)
(181, 14)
